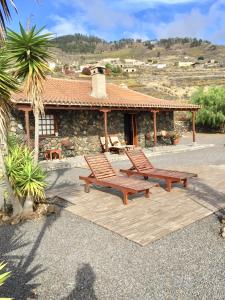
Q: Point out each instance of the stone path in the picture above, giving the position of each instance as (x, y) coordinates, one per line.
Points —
(79, 161)
(146, 220)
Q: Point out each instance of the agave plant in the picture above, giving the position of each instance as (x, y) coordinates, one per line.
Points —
(30, 181)
(26, 177)
(3, 277)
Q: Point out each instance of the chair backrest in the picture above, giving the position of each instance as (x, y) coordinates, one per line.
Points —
(102, 141)
(115, 141)
(100, 166)
(164, 133)
(139, 160)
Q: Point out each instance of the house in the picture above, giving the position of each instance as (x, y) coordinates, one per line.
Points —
(82, 111)
(133, 62)
(184, 64)
(130, 61)
(52, 65)
(161, 66)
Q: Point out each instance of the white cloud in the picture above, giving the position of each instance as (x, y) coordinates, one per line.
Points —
(195, 24)
(65, 26)
(110, 19)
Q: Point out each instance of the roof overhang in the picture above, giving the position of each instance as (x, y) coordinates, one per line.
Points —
(27, 106)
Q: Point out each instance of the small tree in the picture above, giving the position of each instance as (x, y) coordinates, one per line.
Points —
(212, 114)
(29, 51)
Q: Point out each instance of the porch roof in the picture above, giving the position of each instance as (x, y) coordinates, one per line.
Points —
(77, 93)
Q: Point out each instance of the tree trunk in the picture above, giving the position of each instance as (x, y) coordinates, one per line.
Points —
(17, 207)
(28, 207)
(36, 136)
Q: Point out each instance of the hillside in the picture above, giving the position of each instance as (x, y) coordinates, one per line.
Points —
(171, 82)
(94, 48)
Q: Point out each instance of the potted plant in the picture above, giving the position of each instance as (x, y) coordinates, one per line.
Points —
(175, 137)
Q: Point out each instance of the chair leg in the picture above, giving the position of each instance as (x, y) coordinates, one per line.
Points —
(185, 183)
(147, 193)
(168, 185)
(125, 198)
(87, 187)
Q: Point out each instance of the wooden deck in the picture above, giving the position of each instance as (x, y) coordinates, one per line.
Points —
(146, 220)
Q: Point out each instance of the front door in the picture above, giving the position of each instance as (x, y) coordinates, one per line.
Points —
(130, 129)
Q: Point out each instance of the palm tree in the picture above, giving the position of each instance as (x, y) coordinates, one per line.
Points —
(4, 15)
(29, 51)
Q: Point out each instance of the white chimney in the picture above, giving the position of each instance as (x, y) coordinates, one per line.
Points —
(98, 82)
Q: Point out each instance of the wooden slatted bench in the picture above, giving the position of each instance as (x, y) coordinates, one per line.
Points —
(103, 174)
(143, 167)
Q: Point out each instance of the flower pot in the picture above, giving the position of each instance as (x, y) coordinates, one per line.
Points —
(176, 141)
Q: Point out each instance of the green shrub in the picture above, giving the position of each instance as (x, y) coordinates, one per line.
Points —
(212, 113)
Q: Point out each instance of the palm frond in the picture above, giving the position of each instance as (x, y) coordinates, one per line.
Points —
(5, 15)
(8, 84)
(30, 52)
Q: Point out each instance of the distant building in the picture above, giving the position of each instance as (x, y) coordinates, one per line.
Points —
(133, 62)
(161, 66)
(52, 65)
(183, 64)
(129, 61)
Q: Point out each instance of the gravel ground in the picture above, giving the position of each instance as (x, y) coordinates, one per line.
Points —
(67, 257)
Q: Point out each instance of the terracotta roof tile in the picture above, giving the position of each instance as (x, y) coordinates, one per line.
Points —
(77, 93)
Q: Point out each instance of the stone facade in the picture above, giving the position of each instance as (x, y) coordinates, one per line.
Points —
(79, 131)
(165, 121)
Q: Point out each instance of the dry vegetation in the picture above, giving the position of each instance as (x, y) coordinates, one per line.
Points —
(170, 83)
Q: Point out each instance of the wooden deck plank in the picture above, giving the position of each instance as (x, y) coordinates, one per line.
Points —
(146, 220)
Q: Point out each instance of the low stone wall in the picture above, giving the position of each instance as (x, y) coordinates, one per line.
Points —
(82, 129)
(182, 126)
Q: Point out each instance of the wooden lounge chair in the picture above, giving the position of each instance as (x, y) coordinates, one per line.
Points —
(103, 174)
(116, 142)
(143, 167)
(112, 148)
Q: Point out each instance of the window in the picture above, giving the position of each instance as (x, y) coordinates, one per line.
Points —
(47, 125)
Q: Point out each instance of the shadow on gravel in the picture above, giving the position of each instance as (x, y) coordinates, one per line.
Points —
(84, 289)
(209, 195)
(21, 285)
(58, 174)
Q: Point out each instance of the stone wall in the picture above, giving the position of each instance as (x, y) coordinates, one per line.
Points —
(17, 125)
(81, 129)
(165, 121)
(182, 126)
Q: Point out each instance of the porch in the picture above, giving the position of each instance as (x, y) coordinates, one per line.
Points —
(78, 131)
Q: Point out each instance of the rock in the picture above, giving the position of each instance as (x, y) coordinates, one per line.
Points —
(5, 218)
(15, 220)
(223, 220)
(51, 209)
(223, 232)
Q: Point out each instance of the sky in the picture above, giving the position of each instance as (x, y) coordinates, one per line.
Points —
(116, 19)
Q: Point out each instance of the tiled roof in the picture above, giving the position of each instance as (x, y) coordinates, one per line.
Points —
(67, 92)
